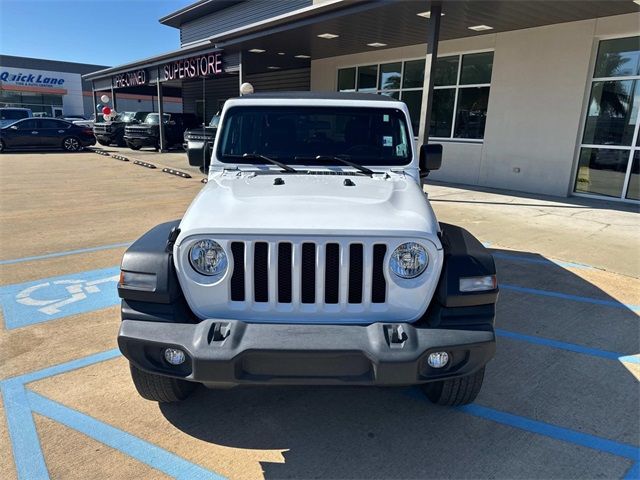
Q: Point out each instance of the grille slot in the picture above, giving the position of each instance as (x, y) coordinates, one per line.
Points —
(308, 280)
(261, 272)
(332, 273)
(237, 279)
(378, 283)
(355, 272)
(284, 272)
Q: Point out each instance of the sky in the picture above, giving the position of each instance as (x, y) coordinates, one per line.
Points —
(99, 32)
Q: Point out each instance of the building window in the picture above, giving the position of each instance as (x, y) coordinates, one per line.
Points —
(609, 157)
(460, 98)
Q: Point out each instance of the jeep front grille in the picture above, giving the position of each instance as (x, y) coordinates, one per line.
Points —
(307, 273)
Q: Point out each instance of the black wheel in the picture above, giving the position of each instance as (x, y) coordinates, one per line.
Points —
(160, 389)
(457, 391)
(134, 147)
(71, 144)
(103, 143)
(120, 142)
(2, 147)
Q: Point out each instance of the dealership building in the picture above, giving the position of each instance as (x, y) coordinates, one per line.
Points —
(54, 89)
(540, 97)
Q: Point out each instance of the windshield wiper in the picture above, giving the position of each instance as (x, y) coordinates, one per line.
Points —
(285, 168)
(362, 169)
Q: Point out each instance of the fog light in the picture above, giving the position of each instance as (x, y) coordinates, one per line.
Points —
(175, 356)
(438, 359)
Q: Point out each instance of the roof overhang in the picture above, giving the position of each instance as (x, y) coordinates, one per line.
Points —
(357, 23)
(195, 10)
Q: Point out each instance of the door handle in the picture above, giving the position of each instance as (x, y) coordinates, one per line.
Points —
(35, 132)
(60, 131)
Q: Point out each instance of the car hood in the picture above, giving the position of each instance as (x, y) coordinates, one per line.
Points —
(317, 204)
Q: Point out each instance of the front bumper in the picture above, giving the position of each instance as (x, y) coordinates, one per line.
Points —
(232, 352)
(137, 141)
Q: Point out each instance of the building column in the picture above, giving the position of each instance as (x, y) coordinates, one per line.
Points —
(95, 101)
(240, 75)
(113, 99)
(433, 34)
(160, 113)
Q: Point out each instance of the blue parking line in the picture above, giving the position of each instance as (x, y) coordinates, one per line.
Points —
(25, 443)
(553, 431)
(143, 451)
(566, 296)
(541, 261)
(633, 473)
(64, 254)
(572, 347)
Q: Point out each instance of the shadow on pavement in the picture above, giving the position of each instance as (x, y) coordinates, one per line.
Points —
(360, 432)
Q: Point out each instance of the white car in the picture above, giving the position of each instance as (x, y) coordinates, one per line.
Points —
(311, 256)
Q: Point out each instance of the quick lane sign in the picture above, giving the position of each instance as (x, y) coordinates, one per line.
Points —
(27, 79)
(130, 79)
(194, 67)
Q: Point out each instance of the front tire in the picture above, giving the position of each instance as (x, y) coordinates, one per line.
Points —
(158, 388)
(133, 147)
(71, 144)
(457, 391)
(103, 143)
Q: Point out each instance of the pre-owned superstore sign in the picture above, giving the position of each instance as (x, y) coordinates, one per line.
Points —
(130, 79)
(204, 65)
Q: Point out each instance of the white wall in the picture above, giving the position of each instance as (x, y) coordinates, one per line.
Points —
(538, 94)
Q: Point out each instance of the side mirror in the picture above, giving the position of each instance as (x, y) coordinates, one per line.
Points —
(430, 158)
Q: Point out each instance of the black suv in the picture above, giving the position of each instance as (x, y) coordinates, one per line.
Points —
(198, 142)
(113, 132)
(147, 134)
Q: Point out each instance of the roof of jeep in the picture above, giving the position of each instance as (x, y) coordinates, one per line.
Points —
(318, 96)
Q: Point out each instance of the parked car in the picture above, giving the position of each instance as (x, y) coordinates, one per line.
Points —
(108, 133)
(9, 115)
(88, 122)
(311, 256)
(45, 134)
(147, 134)
(198, 142)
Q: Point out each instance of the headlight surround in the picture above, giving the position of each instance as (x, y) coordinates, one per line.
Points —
(208, 258)
(409, 260)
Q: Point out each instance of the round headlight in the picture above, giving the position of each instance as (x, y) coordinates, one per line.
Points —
(208, 258)
(409, 260)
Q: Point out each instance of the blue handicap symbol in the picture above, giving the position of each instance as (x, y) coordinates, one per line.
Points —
(56, 297)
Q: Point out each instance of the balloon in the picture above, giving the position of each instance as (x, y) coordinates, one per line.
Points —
(106, 111)
(104, 98)
(99, 107)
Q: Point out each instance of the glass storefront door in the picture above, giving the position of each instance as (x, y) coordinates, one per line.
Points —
(609, 158)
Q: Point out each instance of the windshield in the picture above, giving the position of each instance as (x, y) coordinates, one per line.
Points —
(125, 117)
(215, 120)
(153, 118)
(297, 135)
(10, 114)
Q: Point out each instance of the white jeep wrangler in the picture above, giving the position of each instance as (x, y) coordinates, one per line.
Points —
(311, 256)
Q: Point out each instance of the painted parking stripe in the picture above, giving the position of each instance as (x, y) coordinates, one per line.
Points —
(540, 261)
(20, 403)
(572, 347)
(552, 431)
(143, 451)
(566, 296)
(64, 254)
(56, 297)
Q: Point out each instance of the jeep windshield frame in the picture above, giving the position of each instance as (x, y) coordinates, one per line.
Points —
(315, 135)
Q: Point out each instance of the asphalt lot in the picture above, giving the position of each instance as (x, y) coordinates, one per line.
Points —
(560, 400)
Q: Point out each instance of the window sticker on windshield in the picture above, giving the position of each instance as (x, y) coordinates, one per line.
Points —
(385, 118)
(401, 150)
(387, 141)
